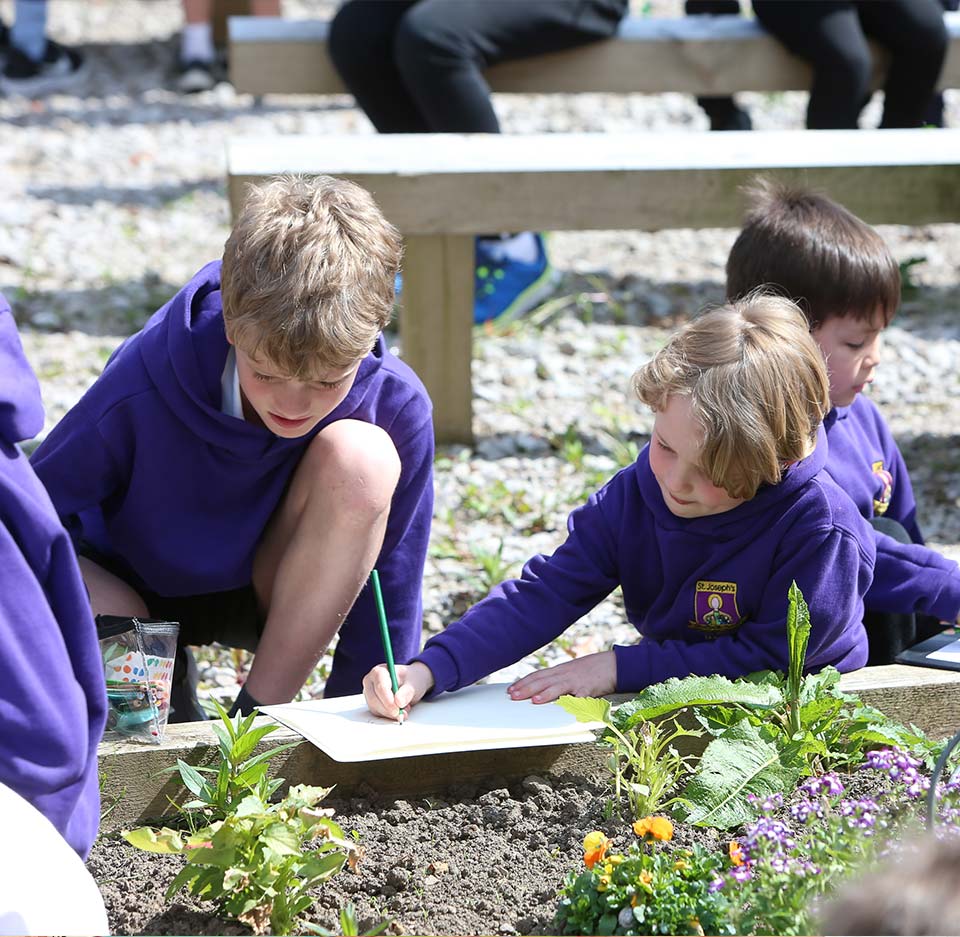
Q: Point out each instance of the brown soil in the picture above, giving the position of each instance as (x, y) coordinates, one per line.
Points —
(485, 860)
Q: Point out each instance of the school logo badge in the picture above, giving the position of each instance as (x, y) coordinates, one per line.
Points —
(885, 491)
(715, 607)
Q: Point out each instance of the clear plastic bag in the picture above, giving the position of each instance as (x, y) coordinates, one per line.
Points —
(138, 656)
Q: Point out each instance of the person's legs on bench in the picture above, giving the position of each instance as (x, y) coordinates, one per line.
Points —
(914, 33)
(828, 34)
(418, 67)
(723, 111)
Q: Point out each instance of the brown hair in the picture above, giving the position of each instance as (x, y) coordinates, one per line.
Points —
(757, 384)
(805, 246)
(308, 274)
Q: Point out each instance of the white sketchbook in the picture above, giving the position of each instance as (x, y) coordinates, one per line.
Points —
(475, 718)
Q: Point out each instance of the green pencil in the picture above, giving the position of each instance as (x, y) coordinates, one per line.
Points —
(385, 633)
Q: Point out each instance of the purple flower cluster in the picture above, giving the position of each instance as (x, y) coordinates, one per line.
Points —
(861, 814)
(901, 768)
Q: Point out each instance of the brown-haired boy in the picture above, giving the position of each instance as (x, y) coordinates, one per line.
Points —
(841, 273)
(248, 456)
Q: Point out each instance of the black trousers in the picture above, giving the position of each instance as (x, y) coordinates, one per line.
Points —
(888, 633)
(832, 35)
(416, 66)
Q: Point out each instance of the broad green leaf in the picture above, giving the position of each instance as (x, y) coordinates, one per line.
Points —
(586, 708)
(223, 740)
(251, 805)
(184, 879)
(320, 866)
(798, 636)
(245, 745)
(824, 683)
(738, 763)
(267, 755)
(193, 780)
(282, 839)
(676, 693)
(149, 840)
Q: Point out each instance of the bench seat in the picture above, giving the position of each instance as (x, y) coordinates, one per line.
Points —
(701, 55)
(442, 191)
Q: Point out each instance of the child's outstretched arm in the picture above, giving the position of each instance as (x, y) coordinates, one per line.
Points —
(521, 615)
(591, 675)
(415, 681)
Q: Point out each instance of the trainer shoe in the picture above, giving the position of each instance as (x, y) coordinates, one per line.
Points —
(59, 68)
(195, 75)
(509, 288)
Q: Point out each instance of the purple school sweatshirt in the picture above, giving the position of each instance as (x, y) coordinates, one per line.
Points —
(708, 594)
(864, 460)
(149, 471)
(52, 698)
(866, 463)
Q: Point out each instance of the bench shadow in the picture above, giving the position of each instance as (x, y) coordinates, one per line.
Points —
(157, 196)
(116, 310)
(124, 85)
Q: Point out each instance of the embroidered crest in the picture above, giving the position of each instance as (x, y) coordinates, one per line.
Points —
(882, 501)
(715, 607)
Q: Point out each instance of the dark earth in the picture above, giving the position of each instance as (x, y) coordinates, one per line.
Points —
(479, 860)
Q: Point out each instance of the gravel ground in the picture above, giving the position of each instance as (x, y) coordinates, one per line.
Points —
(112, 196)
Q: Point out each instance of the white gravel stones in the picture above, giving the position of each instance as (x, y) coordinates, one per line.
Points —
(112, 197)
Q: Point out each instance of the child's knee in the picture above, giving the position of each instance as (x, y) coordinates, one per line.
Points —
(356, 467)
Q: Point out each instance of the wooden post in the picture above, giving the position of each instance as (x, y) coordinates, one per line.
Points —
(222, 10)
(436, 327)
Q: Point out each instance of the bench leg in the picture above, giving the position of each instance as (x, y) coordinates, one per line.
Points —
(436, 327)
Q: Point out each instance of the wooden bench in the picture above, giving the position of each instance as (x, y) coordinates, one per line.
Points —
(135, 788)
(442, 193)
(701, 55)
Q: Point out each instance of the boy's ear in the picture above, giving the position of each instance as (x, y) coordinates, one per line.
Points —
(229, 333)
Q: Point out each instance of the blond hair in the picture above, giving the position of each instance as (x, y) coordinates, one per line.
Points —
(757, 384)
(308, 274)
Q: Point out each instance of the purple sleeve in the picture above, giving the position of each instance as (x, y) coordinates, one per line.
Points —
(77, 469)
(832, 569)
(912, 578)
(50, 719)
(400, 568)
(521, 615)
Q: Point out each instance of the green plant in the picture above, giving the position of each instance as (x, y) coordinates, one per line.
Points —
(492, 568)
(570, 446)
(908, 285)
(768, 729)
(255, 863)
(349, 927)
(239, 772)
(644, 761)
(644, 890)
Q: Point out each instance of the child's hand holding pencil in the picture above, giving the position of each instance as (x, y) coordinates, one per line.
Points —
(414, 682)
(386, 688)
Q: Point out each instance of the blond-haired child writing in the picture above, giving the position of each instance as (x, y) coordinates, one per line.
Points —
(704, 533)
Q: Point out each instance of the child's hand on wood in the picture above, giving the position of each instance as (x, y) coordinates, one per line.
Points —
(414, 680)
(593, 675)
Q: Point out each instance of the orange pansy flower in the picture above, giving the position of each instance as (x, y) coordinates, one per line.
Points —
(655, 827)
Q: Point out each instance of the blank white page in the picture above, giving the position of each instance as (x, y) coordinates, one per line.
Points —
(475, 718)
